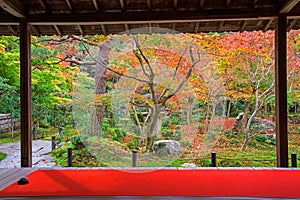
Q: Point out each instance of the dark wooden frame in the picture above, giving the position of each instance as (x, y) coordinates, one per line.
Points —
(25, 95)
(281, 92)
(279, 13)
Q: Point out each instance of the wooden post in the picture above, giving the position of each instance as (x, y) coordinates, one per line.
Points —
(213, 159)
(281, 91)
(70, 157)
(60, 131)
(134, 158)
(294, 159)
(25, 95)
(34, 133)
(53, 142)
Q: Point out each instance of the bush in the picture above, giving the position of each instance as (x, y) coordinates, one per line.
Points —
(76, 142)
(201, 128)
(117, 134)
(44, 124)
(230, 134)
(134, 145)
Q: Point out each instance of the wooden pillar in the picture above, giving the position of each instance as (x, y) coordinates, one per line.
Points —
(281, 91)
(25, 95)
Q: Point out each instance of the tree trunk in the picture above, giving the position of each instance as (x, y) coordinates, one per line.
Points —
(245, 144)
(245, 118)
(223, 104)
(100, 83)
(229, 109)
(247, 134)
(207, 116)
(213, 113)
(154, 127)
(189, 110)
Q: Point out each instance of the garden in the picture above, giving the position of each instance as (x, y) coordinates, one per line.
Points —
(173, 98)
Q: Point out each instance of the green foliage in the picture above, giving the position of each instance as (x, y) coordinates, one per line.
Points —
(230, 163)
(2, 156)
(201, 128)
(203, 162)
(230, 134)
(80, 158)
(51, 81)
(76, 142)
(171, 135)
(117, 134)
(7, 137)
(185, 144)
(134, 144)
(178, 162)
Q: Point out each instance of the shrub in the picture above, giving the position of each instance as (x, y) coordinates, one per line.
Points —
(201, 128)
(134, 145)
(117, 134)
(76, 142)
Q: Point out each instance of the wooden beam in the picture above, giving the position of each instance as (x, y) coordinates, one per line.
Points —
(80, 29)
(12, 30)
(175, 4)
(288, 6)
(292, 24)
(44, 6)
(36, 30)
(122, 5)
(126, 27)
(96, 5)
(243, 25)
(281, 91)
(201, 4)
(197, 27)
(103, 29)
(149, 5)
(70, 6)
(153, 16)
(227, 4)
(174, 26)
(57, 30)
(221, 24)
(25, 95)
(150, 28)
(14, 7)
(267, 26)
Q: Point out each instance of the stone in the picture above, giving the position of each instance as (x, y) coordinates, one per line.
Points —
(271, 136)
(265, 125)
(23, 181)
(238, 123)
(188, 165)
(61, 144)
(166, 147)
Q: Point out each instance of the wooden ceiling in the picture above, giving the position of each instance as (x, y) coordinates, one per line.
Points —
(87, 17)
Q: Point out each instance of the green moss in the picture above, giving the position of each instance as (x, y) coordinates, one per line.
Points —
(2, 156)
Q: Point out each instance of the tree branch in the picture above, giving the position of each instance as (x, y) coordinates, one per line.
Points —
(112, 70)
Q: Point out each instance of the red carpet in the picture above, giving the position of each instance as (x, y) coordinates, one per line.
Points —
(206, 182)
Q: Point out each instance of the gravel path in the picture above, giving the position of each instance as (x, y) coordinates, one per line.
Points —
(40, 154)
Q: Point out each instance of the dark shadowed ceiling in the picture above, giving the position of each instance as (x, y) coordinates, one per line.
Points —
(83, 17)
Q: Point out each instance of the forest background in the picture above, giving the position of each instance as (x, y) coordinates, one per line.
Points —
(185, 87)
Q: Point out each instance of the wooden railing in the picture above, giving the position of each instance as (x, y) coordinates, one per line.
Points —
(8, 123)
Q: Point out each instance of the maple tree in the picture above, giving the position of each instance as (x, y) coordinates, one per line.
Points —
(155, 70)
